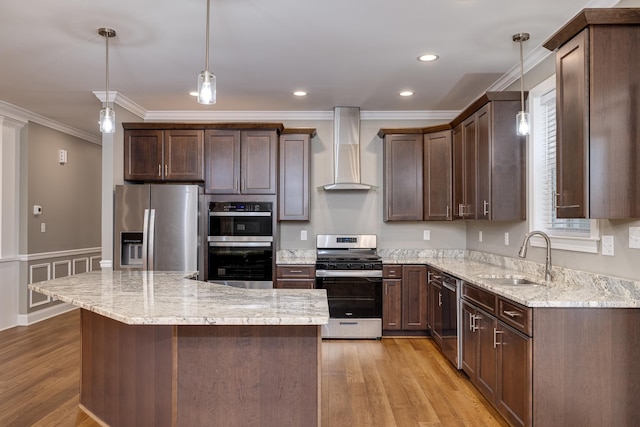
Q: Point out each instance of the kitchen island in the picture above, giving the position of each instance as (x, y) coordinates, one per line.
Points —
(159, 348)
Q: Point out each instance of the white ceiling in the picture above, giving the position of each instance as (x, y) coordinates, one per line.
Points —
(342, 52)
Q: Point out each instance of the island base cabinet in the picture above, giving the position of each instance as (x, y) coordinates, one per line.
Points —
(200, 375)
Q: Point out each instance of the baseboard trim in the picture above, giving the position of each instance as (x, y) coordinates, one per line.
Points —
(44, 314)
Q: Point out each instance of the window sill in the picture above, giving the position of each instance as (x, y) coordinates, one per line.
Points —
(575, 244)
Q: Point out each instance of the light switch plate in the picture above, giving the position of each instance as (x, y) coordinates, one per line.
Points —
(506, 239)
(634, 237)
(607, 245)
(426, 234)
(303, 234)
(480, 236)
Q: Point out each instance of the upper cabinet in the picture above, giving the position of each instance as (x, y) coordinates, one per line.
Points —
(437, 176)
(153, 155)
(489, 165)
(403, 178)
(240, 161)
(472, 168)
(294, 174)
(597, 114)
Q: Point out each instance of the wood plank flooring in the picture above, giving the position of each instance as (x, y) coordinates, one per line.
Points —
(401, 382)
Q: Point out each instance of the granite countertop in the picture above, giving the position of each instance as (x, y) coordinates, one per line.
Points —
(570, 288)
(173, 298)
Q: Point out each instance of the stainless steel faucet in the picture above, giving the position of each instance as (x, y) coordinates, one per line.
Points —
(548, 273)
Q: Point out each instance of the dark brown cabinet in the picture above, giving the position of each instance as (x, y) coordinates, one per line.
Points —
(404, 300)
(403, 177)
(295, 276)
(597, 113)
(434, 299)
(496, 356)
(153, 155)
(240, 161)
(489, 161)
(294, 174)
(437, 176)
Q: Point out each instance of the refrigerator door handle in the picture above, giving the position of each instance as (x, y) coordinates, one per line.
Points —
(152, 232)
(145, 241)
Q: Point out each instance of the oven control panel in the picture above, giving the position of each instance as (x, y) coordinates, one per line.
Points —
(240, 207)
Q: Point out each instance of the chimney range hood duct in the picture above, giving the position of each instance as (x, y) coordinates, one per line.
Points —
(346, 150)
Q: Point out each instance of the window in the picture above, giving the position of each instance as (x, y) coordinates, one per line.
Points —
(569, 234)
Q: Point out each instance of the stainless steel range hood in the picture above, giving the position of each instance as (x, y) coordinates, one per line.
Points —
(346, 150)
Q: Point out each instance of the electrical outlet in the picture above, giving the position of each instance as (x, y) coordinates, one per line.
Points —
(62, 157)
(480, 236)
(607, 245)
(506, 239)
(634, 237)
(303, 234)
(426, 234)
(43, 227)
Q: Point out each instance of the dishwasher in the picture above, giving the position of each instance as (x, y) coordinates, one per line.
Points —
(446, 325)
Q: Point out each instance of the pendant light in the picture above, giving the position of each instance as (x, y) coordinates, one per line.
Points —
(522, 118)
(107, 115)
(206, 79)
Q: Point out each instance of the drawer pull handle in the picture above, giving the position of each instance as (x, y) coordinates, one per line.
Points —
(512, 313)
(295, 271)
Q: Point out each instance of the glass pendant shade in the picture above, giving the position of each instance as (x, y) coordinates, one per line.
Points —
(107, 120)
(522, 123)
(206, 88)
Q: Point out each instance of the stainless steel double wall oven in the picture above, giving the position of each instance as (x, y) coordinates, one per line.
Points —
(240, 240)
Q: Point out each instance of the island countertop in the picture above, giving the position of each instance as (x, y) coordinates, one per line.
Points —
(174, 298)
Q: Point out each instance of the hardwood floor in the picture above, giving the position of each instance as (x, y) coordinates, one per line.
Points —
(393, 382)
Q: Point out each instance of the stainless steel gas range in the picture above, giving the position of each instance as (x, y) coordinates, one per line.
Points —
(349, 268)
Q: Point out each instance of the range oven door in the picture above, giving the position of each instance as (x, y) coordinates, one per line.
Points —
(355, 306)
(241, 264)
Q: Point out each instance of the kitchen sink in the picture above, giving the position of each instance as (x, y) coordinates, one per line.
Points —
(507, 279)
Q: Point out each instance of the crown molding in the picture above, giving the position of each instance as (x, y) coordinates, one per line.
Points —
(22, 115)
(513, 75)
(123, 101)
(410, 115)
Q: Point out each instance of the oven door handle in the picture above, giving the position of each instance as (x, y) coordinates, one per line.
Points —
(240, 244)
(349, 273)
(240, 239)
(239, 213)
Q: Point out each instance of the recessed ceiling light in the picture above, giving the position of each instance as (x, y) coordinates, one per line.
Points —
(300, 93)
(406, 93)
(428, 57)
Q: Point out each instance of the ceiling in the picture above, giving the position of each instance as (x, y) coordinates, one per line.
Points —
(342, 52)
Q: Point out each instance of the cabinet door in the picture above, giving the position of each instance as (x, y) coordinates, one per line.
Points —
(572, 120)
(458, 171)
(258, 170)
(293, 185)
(222, 154)
(403, 179)
(414, 297)
(437, 176)
(183, 155)
(295, 284)
(469, 341)
(392, 304)
(143, 155)
(469, 144)
(514, 376)
(486, 378)
(483, 162)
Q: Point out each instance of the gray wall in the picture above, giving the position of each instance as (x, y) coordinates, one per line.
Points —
(69, 194)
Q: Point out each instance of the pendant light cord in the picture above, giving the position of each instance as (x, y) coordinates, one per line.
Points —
(207, 41)
(107, 68)
(521, 77)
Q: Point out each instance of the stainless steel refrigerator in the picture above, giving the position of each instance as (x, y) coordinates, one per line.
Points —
(156, 227)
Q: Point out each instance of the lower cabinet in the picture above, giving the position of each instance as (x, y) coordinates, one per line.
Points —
(496, 356)
(404, 300)
(295, 277)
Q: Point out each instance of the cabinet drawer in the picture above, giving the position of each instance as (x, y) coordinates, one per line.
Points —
(392, 271)
(295, 284)
(516, 315)
(296, 271)
(484, 299)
